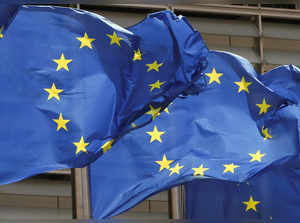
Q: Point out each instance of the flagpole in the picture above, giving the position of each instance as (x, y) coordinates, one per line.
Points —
(175, 211)
(81, 193)
(176, 202)
(81, 202)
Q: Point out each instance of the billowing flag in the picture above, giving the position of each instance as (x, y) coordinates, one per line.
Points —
(71, 82)
(237, 126)
(271, 196)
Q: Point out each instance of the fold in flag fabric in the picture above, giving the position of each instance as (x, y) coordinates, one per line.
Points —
(7, 12)
(72, 81)
(271, 196)
(237, 126)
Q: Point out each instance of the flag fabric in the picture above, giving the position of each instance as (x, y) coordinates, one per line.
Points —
(236, 127)
(71, 82)
(271, 196)
(285, 81)
(7, 12)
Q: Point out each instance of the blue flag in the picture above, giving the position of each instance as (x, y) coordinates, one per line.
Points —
(7, 13)
(71, 82)
(285, 81)
(237, 126)
(271, 196)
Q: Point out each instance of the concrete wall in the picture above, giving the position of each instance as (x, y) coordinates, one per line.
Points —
(49, 197)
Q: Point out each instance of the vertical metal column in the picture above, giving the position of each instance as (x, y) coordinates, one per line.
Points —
(170, 7)
(260, 40)
(81, 193)
(173, 193)
(176, 202)
(80, 188)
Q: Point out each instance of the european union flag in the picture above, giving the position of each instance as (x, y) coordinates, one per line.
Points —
(71, 82)
(236, 127)
(270, 196)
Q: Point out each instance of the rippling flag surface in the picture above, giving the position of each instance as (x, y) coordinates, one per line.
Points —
(7, 12)
(237, 126)
(271, 196)
(71, 81)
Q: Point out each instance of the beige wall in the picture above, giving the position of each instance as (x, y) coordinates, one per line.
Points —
(49, 197)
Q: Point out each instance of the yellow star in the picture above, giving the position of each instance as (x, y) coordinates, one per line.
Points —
(1, 30)
(53, 92)
(265, 133)
(61, 123)
(243, 85)
(214, 76)
(256, 156)
(263, 107)
(154, 66)
(230, 168)
(164, 163)
(175, 169)
(155, 135)
(154, 112)
(133, 125)
(157, 84)
(107, 146)
(251, 204)
(80, 146)
(62, 63)
(114, 39)
(200, 170)
(137, 55)
(86, 41)
(167, 110)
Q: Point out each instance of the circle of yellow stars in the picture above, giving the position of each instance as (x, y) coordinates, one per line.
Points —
(214, 77)
(229, 168)
(63, 64)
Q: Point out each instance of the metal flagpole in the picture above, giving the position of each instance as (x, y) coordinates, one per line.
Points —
(81, 202)
(81, 205)
(176, 202)
(81, 193)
